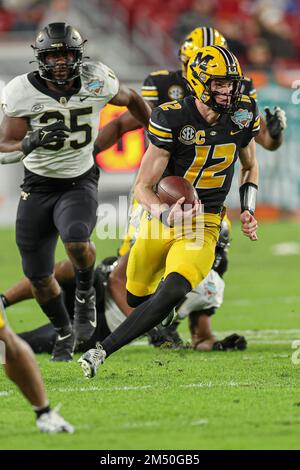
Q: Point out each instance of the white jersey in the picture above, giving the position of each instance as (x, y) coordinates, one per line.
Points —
(27, 96)
(208, 294)
(113, 315)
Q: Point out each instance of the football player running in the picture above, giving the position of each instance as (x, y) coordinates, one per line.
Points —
(199, 138)
(20, 367)
(50, 122)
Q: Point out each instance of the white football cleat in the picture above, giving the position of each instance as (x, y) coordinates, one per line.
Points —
(52, 422)
(91, 360)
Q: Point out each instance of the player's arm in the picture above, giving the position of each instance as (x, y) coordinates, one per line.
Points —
(154, 163)
(12, 132)
(109, 134)
(113, 131)
(272, 128)
(134, 102)
(14, 137)
(248, 189)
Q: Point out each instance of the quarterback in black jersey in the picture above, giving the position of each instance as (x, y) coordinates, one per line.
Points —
(165, 85)
(199, 138)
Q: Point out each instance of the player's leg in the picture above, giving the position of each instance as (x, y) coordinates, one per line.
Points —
(63, 273)
(20, 367)
(75, 219)
(36, 239)
(185, 268)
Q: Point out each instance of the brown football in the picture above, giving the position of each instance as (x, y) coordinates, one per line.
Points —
(172, 188)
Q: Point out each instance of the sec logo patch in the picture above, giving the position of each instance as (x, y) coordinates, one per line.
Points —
(187, 135)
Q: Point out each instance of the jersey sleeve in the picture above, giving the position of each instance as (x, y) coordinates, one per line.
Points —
(14, 102)
(149, 90)
(159, 130)
(100, 80)
(254, 126)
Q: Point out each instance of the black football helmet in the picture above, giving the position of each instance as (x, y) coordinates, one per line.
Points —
(59, 37)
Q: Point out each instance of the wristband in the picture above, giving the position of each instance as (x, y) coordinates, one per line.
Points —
(164, 217)
(248, 194)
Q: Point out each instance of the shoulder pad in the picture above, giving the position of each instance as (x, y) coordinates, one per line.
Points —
(245, 99)
(99, 80)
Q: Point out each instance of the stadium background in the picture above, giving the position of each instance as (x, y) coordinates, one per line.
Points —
(135, 38)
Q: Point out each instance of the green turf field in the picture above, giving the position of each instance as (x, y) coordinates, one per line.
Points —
(156, 399)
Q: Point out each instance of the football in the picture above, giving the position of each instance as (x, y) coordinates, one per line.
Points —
(172, 188)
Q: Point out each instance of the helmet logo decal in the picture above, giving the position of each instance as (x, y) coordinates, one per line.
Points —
(203, 61)
(187, 135)
(242, 118)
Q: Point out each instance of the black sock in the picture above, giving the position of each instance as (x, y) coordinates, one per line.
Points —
(40, 411)
(148, 314)
(4, 300)
(84, 278)
(57, 313)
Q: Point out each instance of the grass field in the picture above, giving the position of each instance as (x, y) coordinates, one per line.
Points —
(155, 399)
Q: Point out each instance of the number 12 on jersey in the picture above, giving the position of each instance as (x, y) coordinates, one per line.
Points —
(207, 175)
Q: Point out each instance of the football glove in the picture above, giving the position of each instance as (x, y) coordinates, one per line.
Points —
(51, 134)
(234, 341)
(276, 121)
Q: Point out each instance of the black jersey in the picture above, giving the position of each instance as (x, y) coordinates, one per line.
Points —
(201, 153)
(163, 86)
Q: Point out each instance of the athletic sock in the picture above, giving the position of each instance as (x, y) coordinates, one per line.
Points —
(4, 300)
(57, 313)
(148, 314)
(84, 278)
(39, 411)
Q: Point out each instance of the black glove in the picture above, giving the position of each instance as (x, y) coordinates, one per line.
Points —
(276, 122)
(233, 341)
(54, 133)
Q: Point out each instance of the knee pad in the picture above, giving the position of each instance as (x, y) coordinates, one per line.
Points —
(77, 231)
(41, 282)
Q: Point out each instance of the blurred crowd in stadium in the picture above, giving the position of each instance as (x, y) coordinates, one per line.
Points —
(261, 32)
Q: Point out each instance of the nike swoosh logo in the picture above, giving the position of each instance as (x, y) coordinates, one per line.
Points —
(94, 323)
(85, 98)
(81, 301)
(235, 132)
(61, 338)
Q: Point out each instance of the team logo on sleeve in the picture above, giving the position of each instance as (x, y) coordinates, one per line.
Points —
(187, 135)
(95, 86)
(176, 92)
(242, 118)
(37, 107)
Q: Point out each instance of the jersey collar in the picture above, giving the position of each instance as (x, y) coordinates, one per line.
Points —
(38, 83)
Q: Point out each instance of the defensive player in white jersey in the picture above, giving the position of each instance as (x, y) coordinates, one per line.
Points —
(51, 121)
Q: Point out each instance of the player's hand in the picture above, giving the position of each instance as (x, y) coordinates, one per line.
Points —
(177, 215)
(249, 225)
(276, 121)
(52, 134)
(234, 342)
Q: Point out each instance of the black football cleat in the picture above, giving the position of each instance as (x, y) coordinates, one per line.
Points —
(64, 348)
(85, 315)
(166, 337)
